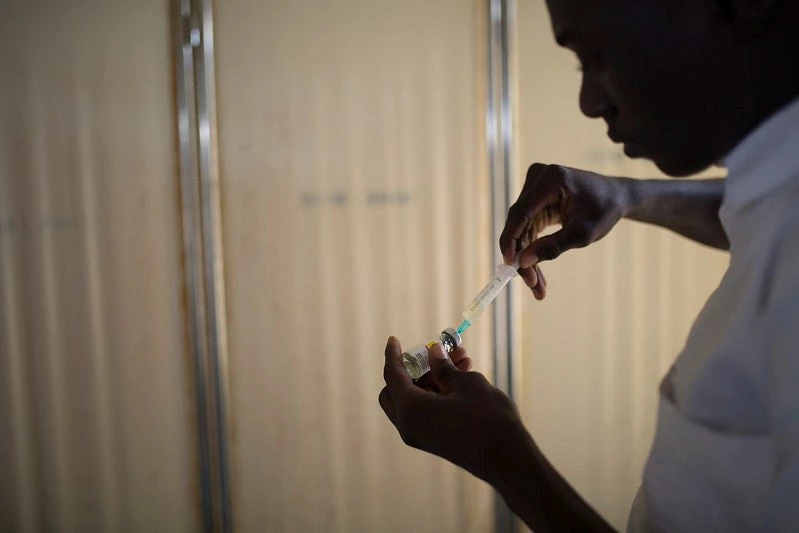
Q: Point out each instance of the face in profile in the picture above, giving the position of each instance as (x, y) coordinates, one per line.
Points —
(660, 73)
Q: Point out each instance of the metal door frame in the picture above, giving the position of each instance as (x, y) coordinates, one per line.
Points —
(501, 149)
(202, 254)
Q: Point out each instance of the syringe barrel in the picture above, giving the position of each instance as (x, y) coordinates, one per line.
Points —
(502, 275)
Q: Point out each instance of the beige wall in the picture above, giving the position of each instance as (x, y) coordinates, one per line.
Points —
(355, 206)
(616, 314)
(95, 430)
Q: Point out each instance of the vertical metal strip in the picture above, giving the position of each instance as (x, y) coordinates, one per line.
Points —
(499, 125)
(218, 379)
(507, 182)
(200, 205)
(184, 76)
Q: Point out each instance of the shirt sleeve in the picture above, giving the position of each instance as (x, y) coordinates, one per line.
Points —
(782, 334)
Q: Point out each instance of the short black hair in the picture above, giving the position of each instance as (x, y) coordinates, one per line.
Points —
(725, 6)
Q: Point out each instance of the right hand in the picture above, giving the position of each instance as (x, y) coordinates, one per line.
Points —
(586, 205)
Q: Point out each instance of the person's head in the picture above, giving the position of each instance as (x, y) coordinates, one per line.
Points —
(681, 82)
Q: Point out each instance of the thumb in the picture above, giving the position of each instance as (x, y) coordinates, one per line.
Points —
(443, 370)
(551, 246)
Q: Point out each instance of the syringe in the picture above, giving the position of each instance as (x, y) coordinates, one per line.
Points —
(502, 275)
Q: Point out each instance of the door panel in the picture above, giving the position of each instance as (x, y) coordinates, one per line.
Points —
(355, 206)
(94, 402)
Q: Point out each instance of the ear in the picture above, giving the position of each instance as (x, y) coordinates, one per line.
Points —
(749, 16)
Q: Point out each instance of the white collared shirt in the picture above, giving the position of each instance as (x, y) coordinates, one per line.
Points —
(726, 450)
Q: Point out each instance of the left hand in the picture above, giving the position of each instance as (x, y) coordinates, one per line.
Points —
(458, 416)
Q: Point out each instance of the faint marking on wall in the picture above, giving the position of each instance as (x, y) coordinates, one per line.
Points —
(13, 226)
(341, 198)
(314, 199)
(7, 226)
(379, 198)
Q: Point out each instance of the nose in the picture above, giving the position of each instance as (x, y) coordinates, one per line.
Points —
(595, 102)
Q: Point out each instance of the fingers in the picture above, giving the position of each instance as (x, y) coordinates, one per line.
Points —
(399, 383)
(461, 361)
(394, 373)
(530, 276)
(460, 358)
(444, 372)
(540, 288)
(520, 216)
(542, 189)
(552, 246)
(464, 365)
(534, 173)
(534, 278)
(387, 403)
(458, 354)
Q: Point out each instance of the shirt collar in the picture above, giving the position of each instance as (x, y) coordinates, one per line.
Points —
(767, 158)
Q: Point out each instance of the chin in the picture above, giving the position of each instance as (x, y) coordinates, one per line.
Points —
(676, 171)
(674, 166)
(679, 167)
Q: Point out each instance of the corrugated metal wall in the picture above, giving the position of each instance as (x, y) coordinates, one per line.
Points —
(355, 206)
(95, 430)
(616, 314)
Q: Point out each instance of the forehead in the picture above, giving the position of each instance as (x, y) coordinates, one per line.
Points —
(579, 19)
(571, 18)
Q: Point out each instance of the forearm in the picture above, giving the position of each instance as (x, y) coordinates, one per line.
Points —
(687, 207)
(539, 495)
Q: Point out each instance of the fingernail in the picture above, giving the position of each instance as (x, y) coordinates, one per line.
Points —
(438, 352)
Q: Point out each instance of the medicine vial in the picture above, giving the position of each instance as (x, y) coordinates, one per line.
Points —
(416, 359)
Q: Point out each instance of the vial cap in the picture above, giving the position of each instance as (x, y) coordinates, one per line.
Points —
(452, 335)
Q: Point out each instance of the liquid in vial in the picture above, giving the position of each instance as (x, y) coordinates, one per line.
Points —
(417, 361)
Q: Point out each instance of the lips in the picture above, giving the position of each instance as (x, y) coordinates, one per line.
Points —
(614, 136)
(631, 148)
